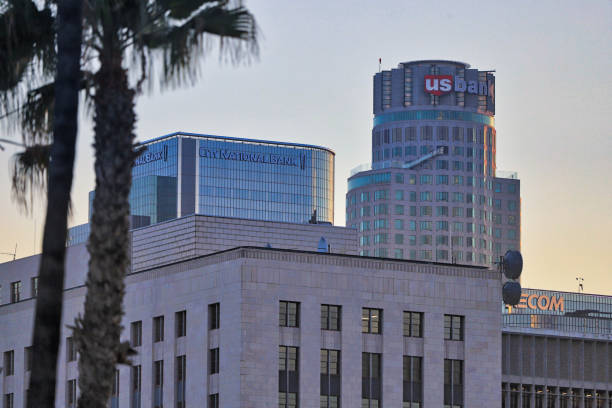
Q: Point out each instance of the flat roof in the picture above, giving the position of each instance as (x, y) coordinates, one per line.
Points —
(436, 61)
(235, 139)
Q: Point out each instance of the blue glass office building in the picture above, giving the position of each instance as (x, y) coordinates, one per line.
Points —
(185, 173)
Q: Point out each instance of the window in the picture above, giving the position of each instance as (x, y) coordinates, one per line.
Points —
(136, 333)
(9, 363)
(426, 210)
(158, 329)
(453, 327)
(28, 358)
(453, 383)
(426, 226)
(512, 205)
(425, 195)
(34, 286)
(213, 401)
(399, 224)
(181, 371)
(330, 378)
(371, 380)
(70, 350)
(8, 400)
(288, 377)
(213, 359)
(289, 314)
(114, 399)
(398, 253)
(136, 386)
(442, 196)
(214, 316)
(71, 393)
(413, 324)
(365, 196)
(180, 319)
(15, 291)
(399, 209)
(330, 317)
(399, 239)
(371, 320)
(413, 382)
(158, 384)
(426, 179)
(511, 234)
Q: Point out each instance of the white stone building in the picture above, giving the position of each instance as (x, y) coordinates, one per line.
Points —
(235, 322)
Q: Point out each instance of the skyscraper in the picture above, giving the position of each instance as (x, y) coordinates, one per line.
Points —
(432, 191)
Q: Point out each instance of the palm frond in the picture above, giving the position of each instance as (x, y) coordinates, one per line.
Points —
(29, 174)
(182, 46)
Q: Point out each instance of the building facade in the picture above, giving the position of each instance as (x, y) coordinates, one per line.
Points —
(431, 192)
(186, 173)
(557, 351)
(262, 327)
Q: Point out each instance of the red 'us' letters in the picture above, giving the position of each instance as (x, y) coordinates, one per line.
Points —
(438, 84)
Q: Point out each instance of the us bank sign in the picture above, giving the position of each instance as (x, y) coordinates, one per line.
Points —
(253, 157)
(443, 84)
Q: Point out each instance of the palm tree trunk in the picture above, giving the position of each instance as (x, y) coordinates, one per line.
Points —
(47, 321)
(99, 330)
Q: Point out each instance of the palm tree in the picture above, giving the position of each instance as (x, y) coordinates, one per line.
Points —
(28, 38)
(115, 32)
(166, 30)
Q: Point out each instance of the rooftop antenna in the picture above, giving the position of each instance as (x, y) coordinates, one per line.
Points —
(379, 64)
(11, 253)
(580, 284)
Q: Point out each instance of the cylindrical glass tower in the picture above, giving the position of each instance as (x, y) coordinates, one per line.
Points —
(429, 192)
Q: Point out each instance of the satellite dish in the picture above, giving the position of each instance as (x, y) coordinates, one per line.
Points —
(322, 247)
(512, 264)
(511, 293)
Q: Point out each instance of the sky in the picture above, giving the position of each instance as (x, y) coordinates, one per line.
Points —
(312, 83)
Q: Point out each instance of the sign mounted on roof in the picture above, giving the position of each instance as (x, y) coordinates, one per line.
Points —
(443, 84)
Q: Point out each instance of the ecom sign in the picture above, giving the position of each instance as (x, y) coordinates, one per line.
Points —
(544, 303)
(443, 84)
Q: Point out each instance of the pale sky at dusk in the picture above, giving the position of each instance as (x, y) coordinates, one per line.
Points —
(312, 84)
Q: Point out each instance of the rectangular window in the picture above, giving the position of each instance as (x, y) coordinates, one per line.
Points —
(399, 224)
(70, 350)
(214, 316)
(9, 363)
(71, 393)
(371, 320)
(453, 383)
(213, 401)
(181, 372)
(413, 382)
(180, 319)
(413, 324)
(330, 378)
(330, 317)
(8, 400)
(453, 327)
(158, 384)
(158, 329)
(34, 286)
(135, 386)
(15, 291)
(371, 380)
(288, 377)
(28, 358)
(213, 359)
(289, 314)
(114, 399)
(136, 334)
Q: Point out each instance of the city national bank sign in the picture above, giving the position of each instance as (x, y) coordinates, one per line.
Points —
(541, 302)
(443, 84)
(254, 157)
